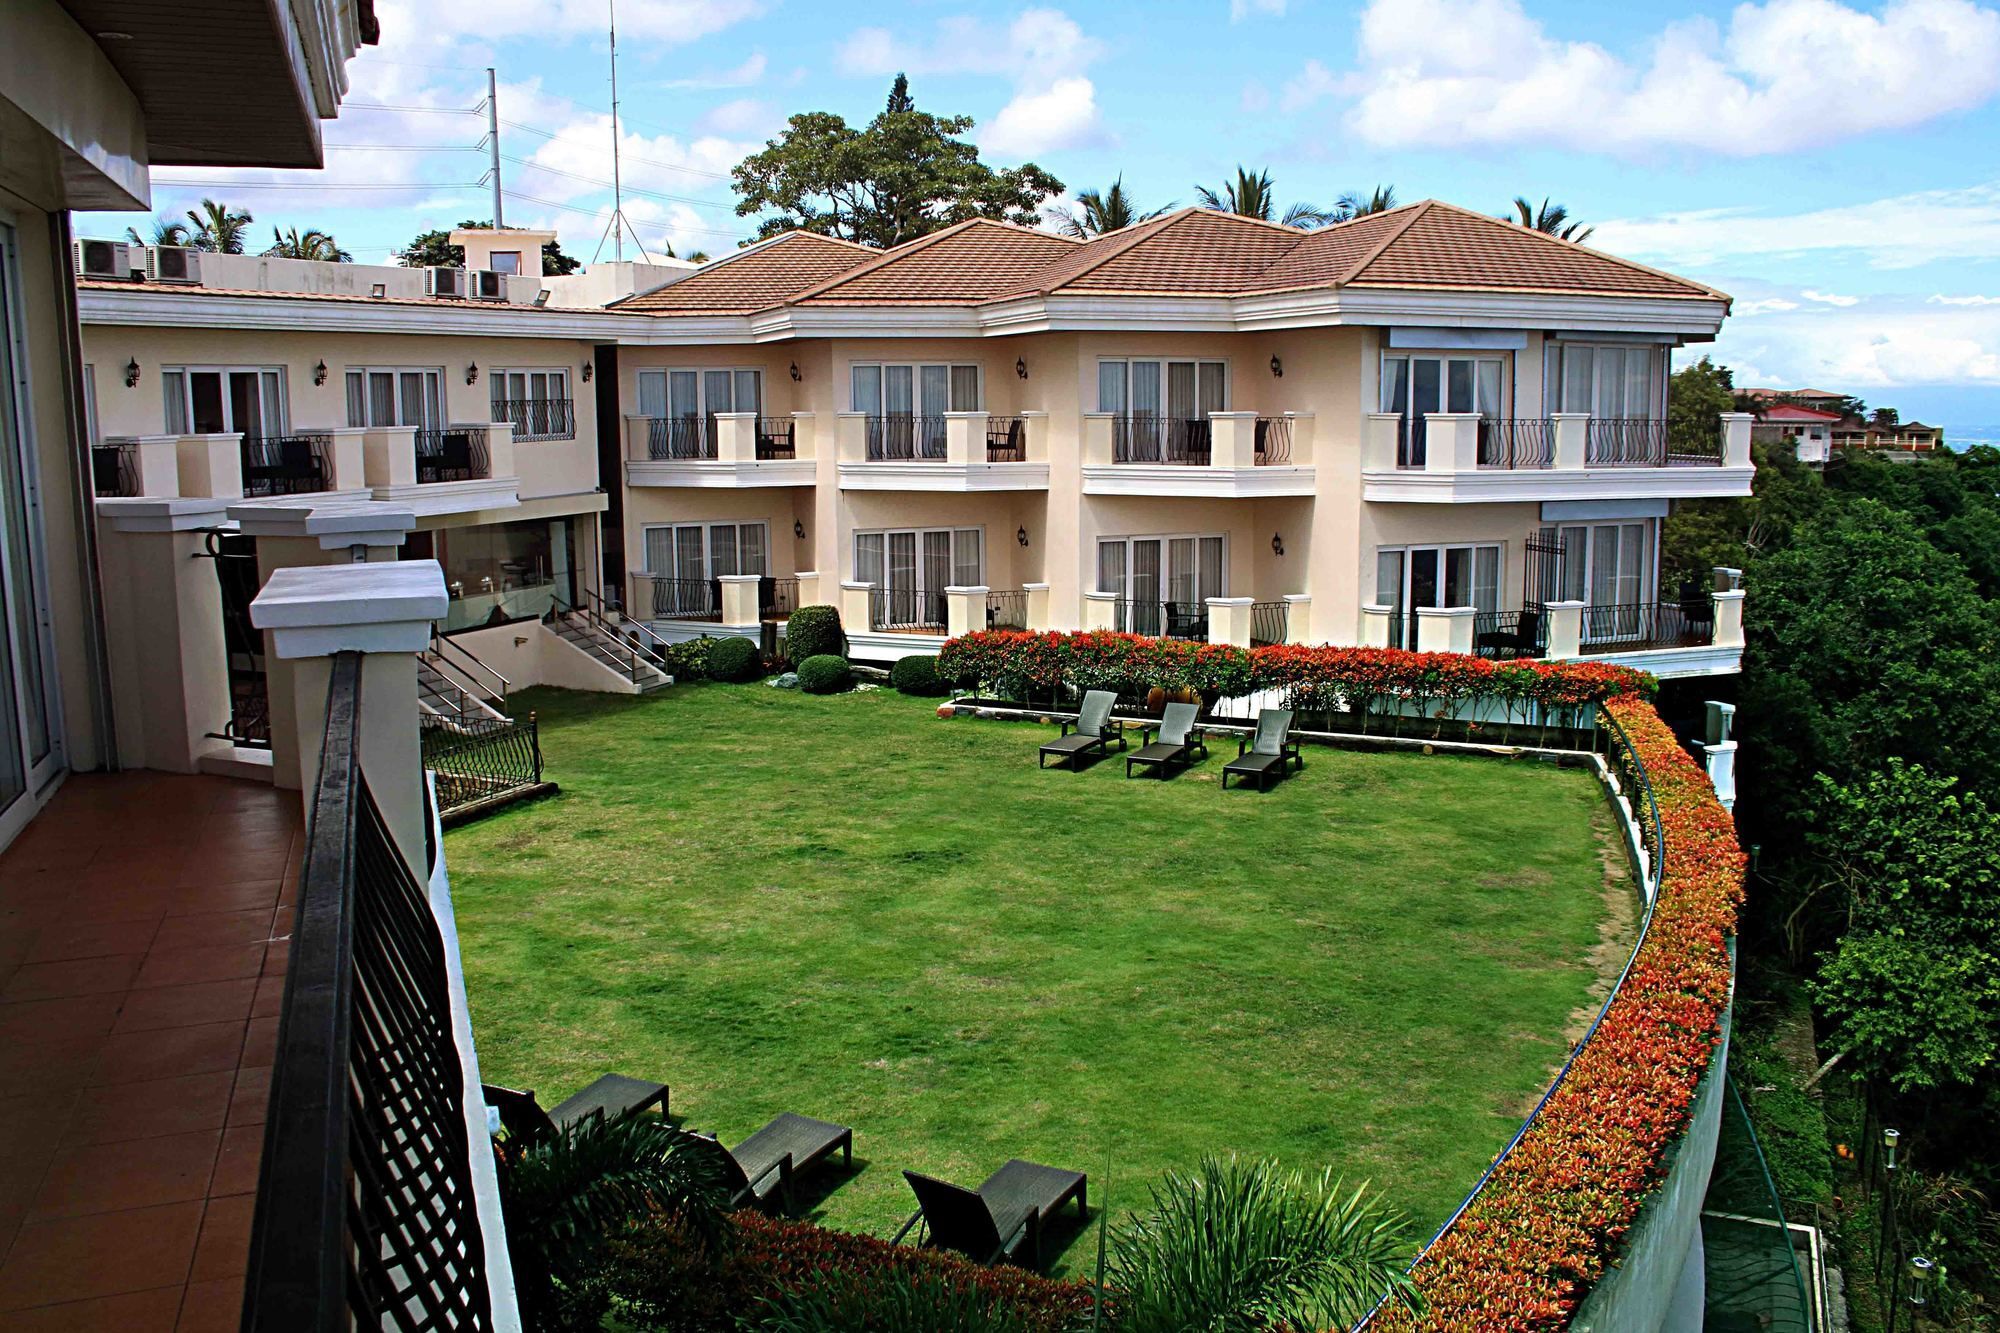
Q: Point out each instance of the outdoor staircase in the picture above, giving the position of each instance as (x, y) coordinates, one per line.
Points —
(592, 634)
(438, 693)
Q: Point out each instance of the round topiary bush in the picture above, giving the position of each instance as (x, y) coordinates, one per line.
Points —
(824, 673)
(918, 676)
(814, 631)
(734, 659)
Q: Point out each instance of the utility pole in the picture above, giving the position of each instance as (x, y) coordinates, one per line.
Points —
(493, 139)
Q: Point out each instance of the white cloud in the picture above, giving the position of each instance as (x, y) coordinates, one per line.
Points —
(745, 117)
(1458, 72)
(1769, 305)
(746, 75)
(660, 22)
(1903, 231)
(1941, 299)
(1243, 9)
(1830, 298)
(1309, 85)
(1043, 52)
(1890, 342)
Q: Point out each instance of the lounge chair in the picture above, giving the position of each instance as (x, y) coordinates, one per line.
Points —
(1092, 730)
(1002, 1219)
(1266, 753)
(1180, 740)
(613, 1097)
(763, 1166)
(1524, 640)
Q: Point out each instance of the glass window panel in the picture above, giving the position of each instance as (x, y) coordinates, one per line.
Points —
(967, 567)
(867, 390)
(683, 394)
(1610, 392)
(748, 392)
(1212, 395)
(937, 563)
(381, 398)
(868, 566)
(1424, 587)
(1458, 385)
(1396, 384)
(1211, 569)
(1181, 404)
(1576, 373)
(1111, 381)
(716, 386)
(750, 543)
(965, 388)
(652, 393)
(902, 570)
(205, 414)
(898, 391)
(722, 550)
(1638, 382)
(1576, 563)
(1631, 563)
(1111, 568)
(245, 412)
(271, 386)
(1486, 578)
(23, 548)
(1488, 392)
(1182, 576)
(934, 390)
(1426, 386)
(659, 550)
(412, 399)
(1457, 576)
(174, 383)
(1145, 586)
(1389, 579)
(688, 553)
(1604, 565)
(497, 398)
(1145, 388)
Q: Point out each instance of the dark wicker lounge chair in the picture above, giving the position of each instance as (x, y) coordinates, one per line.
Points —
(1267, 753)
(1524, 640)
(614, 1096)
(1093, 730)
(1002, 1219)
(1180, 740)
(763, 1166)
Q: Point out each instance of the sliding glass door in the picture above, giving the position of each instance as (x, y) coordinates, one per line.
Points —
(1411, 578)
(1414, 386)
(912, 567)
(1162, 584)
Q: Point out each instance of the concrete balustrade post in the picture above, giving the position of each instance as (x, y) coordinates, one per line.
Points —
(735, 437)
(1035, 430)
(346, 458)
(211, 465)
(1100, 610)
(1229, 621)
(1720, 719)
(850, 431)
(1565, 629)
(1298, 617)
(1375, 624)
(1380, 434)
(809, 594)
(1451, 442)
(805, 435)
(1572, 445)
(964, 610)
(1445, 629)
(499, 448)
(389, 455)
(739, 599)
(1097, 438)
(965, 437)
(1302, 438)
(856, 607)
(1729, 619)
(1038, 606)
(1736, 438)
(1720, 760)
(1232, 439)
(638, 438)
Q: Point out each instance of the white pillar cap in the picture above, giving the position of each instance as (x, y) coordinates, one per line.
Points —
(319, 610)
(738, 578)
(162, 513)
(337, 526)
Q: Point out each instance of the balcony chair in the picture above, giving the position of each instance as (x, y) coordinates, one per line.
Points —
(764, 1166)
(613, 1096)
(1002, 1219)
(1187, 620)
(1266, 753)
(1524, 640)
(1093, 731)
(1180, 740)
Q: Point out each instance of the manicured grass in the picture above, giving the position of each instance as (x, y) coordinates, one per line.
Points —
(848, 908)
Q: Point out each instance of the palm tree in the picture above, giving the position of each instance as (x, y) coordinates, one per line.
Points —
(309, 244)
(1241, 1246)
(1097, 214)
(1354, 205)
(166, 231)
(1551, 218)
(216, 228)
(1252, 196)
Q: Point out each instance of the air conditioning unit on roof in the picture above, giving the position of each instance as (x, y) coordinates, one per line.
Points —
(486, 285)
(173, 263)
(113, 260)
(444, 282)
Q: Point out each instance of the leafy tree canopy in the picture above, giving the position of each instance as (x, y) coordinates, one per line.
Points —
(433, 249)
(906, 174)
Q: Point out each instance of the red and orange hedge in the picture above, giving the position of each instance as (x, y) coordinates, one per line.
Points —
(1556, 1212)
(1023, 664)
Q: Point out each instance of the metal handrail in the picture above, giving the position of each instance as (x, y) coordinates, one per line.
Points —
(438, 645)
(591, 607)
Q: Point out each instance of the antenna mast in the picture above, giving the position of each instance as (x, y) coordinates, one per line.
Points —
(617, 187)
(493, 141)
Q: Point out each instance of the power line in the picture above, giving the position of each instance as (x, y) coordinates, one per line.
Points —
(224, 187)
(629, 189)
(407, 147)
(595, 212)
(665, 166)
(401, 106)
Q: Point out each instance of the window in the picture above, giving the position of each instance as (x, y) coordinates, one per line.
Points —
(911, 568)
(504, 261)
(213, 400)
(1163, 583)
(1181, 390)
(1609, 381)
(1408, 578)
(690, 399)
(698, 552)
(395, 396)
(905, 405)
(1413, 386)
(536, 401)
(1606, 566)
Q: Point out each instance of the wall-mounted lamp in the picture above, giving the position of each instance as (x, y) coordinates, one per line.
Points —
(1020, 367)
(1277, 369)
(588, 371)
(132, 373)
(1021, 535)
(319, 373)
(472, 372)
(799, 529)
(1277, 544)
(796, 377)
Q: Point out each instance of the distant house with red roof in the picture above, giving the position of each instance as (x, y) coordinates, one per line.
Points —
(1808, 429)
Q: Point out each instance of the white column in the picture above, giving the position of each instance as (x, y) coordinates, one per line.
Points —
(1379, 436)
(1298, 617)
(1720, 760)
(638, 438)
(735, 437)
(1232, 439)
(856, 614)
(1097, 438)
(389, 455)
(347, 458)
(499, 448)
(739, 599)
(1038, 606)
(1721, 721)
(809, 594)
(1302, 438)
(965, 438)
(1445, 629)
(1565, 629)
(965, 609)
(386, 612)
(1572, 439)
(1035, 429)
(156, 461)
(805, 435)
(1375, 626)
(1729, 619)
(211, 465)
(851, 436)
(1229, 620)
(1736, 438)
(1100, 610)
(1451, 442)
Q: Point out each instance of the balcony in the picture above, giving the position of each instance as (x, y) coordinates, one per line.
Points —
(1467, 458)
(538, 418)
(953, 451)
(727, 450)
(677, 608)
(1244, 622)
(287, 465)
(1225, 455)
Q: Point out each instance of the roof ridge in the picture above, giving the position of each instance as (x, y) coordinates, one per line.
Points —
(882, 258)
(1573, 246)
(1128, 237)
(1374, 252)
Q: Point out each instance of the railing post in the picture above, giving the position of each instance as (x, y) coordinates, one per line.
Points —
(499, 448)
(1302, 438)
(1380, 434)
(1035, 436)
(389, 456)
(851, 436)
(965, 607)
(1097, 427)
(1375, 624)
(1229, 620)
(805, 435)
(1298, 617)
(739, 599)
(386, 612)
(638, 438)
(1451, 442)
(1232, 442)
(735, 437)
(1720, 760)
(1445, 629)
(1720, 721)
(1572, 442)
(211, 465)
(1565, 632)
(856, 606)
(1736, 438)
(1729, 619)
(155, 463)
(965, 439)
(1100, 610)
(1036, 615)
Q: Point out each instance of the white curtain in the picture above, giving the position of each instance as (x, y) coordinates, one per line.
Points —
(965, 388)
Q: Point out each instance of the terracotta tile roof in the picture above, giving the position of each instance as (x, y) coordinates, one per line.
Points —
(969, 262)
(1197, 251)
(1793, 412)
(1325, 257)
(755, 278)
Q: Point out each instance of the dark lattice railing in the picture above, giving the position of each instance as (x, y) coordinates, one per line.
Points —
(452, 453)
(474, 760)
(365, 1212)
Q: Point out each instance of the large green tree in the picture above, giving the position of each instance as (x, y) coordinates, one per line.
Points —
(905, 174)
(433, 249)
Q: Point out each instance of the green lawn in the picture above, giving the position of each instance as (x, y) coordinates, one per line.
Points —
(848, 908)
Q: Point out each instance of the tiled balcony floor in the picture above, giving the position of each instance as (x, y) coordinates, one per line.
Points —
(145, 924)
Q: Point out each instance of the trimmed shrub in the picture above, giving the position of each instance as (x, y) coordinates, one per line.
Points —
(824, 673)
(918, 676)
(734, 659)
(687, 660)
(814, 631)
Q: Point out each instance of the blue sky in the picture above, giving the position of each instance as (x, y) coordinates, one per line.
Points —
(1830, 164)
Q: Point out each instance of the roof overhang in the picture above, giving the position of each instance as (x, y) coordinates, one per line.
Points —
(152, 306)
